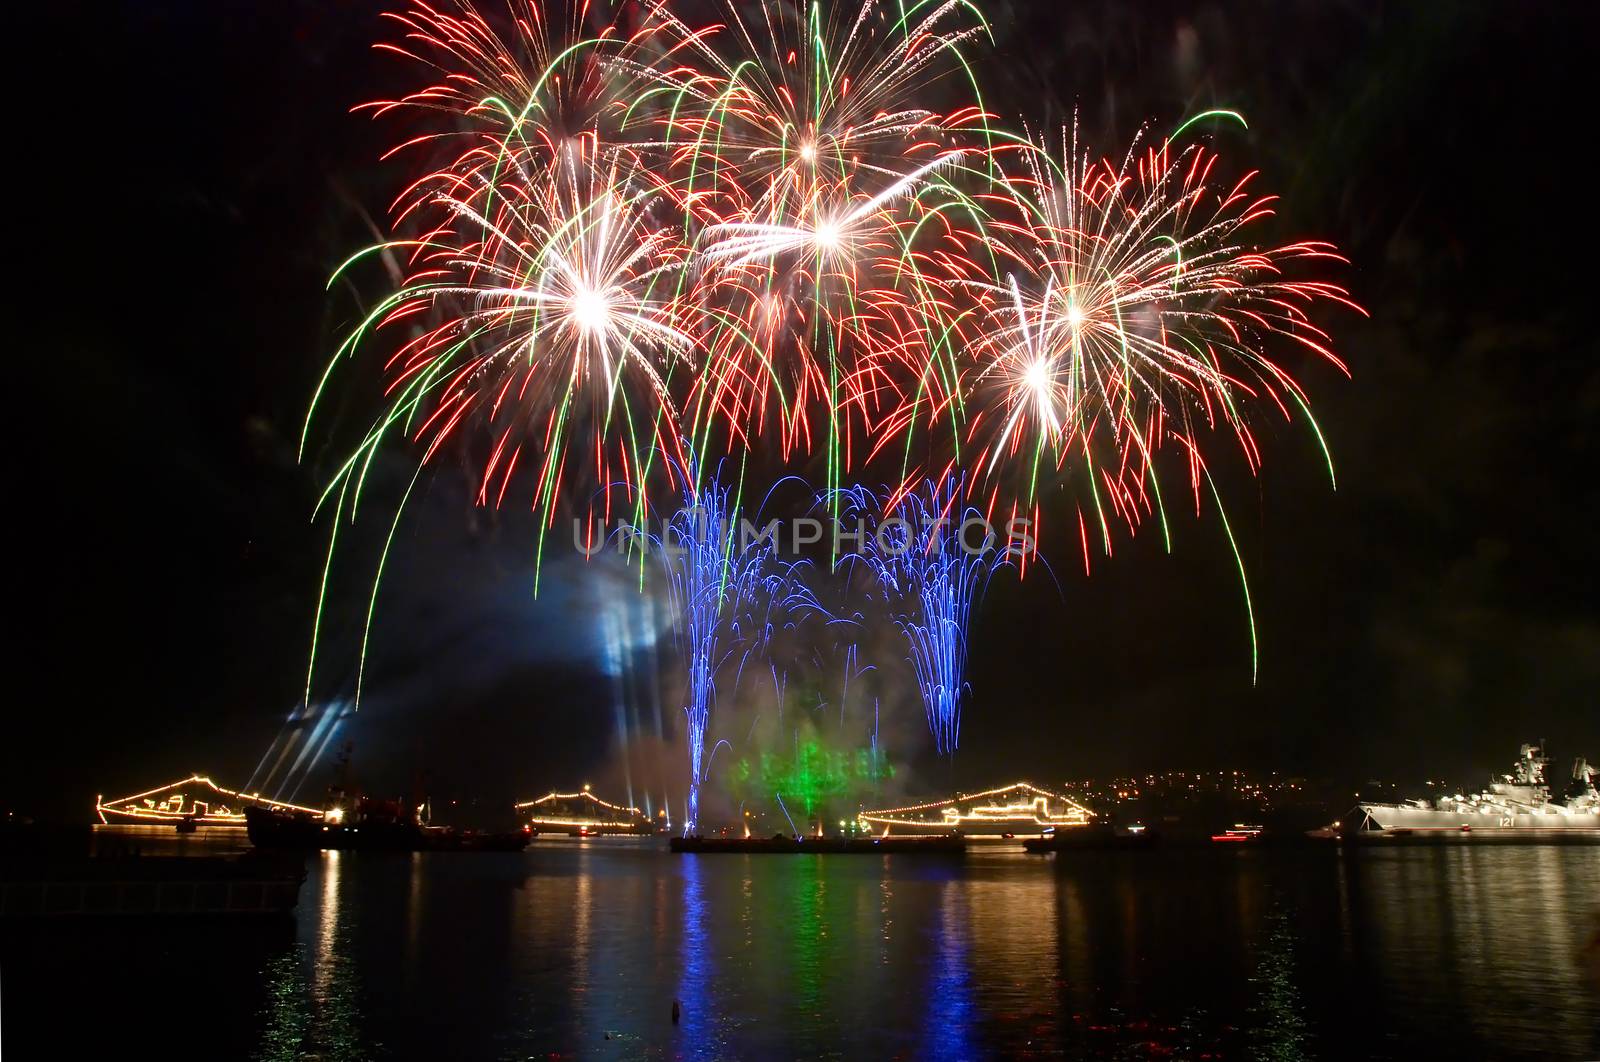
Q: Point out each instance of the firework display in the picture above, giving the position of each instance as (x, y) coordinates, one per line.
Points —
(729, 592)
(930, 559)
(1130, 312)
(792, 232)
(732, 234)
(813, 176)
(759, 231)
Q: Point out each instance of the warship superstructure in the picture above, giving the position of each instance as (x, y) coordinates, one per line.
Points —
(1517, 801)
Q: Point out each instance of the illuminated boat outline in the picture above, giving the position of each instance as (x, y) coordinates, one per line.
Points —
(1032, 815)
(177, 807)
(621, 820)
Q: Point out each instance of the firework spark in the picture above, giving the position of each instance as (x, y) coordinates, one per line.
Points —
(551, 297)
(631, 243)
(930, 572)
(762, 113)
(1134, 310)
(812, 173)
(731, 593)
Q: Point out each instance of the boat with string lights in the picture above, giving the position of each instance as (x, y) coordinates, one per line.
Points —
(1016, 810)
(582, 814)
(187, 804)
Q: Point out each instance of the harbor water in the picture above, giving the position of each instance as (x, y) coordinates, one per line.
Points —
(618, 949)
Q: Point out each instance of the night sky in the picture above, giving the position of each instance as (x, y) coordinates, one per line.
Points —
(187, 176)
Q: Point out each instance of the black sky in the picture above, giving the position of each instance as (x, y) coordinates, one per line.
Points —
(186, 176)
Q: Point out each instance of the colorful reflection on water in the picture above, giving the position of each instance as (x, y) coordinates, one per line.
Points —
(587, 950)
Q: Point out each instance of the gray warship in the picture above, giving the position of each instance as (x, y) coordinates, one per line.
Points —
(1517, 802)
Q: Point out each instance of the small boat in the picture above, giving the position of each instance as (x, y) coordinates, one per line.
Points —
(1089, 838)
(377, 826)
(1239, 834)
(783, 844)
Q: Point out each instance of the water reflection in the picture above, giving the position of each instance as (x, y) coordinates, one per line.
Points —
(582, 913)
(121, 839)
(1073, 946)
(1016, 938)
(287, 1017)
(950, 1014)
(579, 950)
(328, 959)
(1279, 1027)
(1497, 928)
(694, 999)
(415, 896)
(808, 932)
(316, 1012)
(336, 1025)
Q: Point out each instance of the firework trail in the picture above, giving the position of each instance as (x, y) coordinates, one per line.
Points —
(529, 319)
(532, 317)
(535, 320)
(763, 111)
(1132, 311)
(930, 572)
(548, 292)
(812, 176)
(731, 593)
(799, 224)
(559, 74)
(714, 587)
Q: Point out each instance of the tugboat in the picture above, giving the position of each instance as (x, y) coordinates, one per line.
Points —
(1519, 803)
